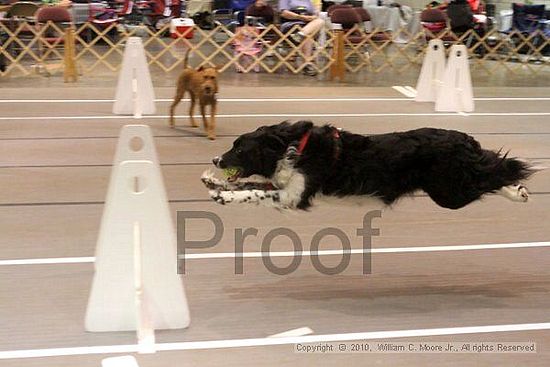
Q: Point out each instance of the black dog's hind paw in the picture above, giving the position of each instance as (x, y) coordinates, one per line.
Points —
(523, 194)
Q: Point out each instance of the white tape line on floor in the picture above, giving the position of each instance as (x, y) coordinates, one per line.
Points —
(258, 342)
(281, 115)
(406, 92)
(222, 255)
(410, 90)
(294, 332)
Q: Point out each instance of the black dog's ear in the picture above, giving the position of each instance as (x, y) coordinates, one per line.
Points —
(302, 126)
(274, 142)
(296, 130)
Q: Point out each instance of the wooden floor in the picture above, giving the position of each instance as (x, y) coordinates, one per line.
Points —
(55, 162)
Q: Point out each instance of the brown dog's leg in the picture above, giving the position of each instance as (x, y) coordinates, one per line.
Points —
(191, 109)
(203, 114)
(179, 95)
(204, 120)
(212, 131)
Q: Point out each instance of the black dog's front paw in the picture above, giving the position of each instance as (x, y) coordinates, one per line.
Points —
(210, 181)
(291, 153)
(221, 197)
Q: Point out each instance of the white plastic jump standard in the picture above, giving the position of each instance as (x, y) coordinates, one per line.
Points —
(136, 285)
(135, 142)
(431, 74)
(134, 93)
(456, 94)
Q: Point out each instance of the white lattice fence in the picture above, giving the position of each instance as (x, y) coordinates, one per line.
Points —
(27, 45)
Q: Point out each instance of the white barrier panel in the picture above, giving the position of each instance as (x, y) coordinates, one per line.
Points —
(134, 92)
(431, 74)
(136, 285)
(456, 94)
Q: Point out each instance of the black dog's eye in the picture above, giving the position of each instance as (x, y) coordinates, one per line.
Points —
(239, 151)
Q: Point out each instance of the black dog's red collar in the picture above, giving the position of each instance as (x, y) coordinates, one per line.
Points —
(335, 135)
(303, 142)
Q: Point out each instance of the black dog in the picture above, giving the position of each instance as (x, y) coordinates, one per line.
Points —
(298, 162)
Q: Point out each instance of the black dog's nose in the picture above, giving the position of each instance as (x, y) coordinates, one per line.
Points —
(216, 161)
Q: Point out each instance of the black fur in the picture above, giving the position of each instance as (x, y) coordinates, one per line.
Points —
(450, 166)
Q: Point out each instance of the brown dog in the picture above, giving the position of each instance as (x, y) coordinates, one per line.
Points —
(202, 84)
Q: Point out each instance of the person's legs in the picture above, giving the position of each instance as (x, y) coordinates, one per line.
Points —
(313, 27)
(238, 64)
(310, 29)
(306, 44)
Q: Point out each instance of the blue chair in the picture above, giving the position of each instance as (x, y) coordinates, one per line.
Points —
(528, 21)
(527, 18)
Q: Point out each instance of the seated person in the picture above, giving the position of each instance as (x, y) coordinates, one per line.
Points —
(463, 19)
(442, 5)
(303, 13)
(3, 38)
(246, 47)
(461, 16)
(261, 9)
(325, 4)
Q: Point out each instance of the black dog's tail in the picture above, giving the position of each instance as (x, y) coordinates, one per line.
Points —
(504, 171)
